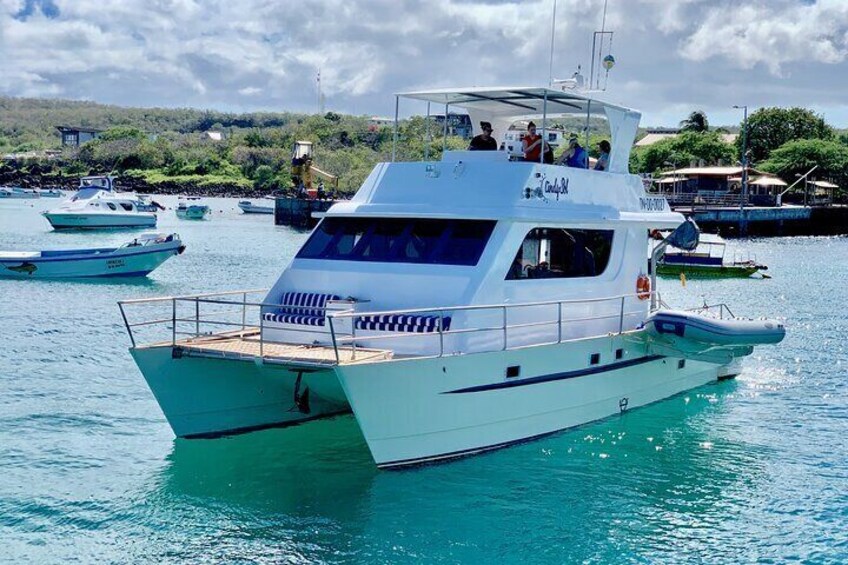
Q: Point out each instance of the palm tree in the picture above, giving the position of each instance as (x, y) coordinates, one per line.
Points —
(696, 121)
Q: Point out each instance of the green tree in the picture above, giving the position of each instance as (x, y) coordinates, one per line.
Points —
(681, 149)
(263, 178)
(122, 132)
(799, 156)
(770, 128)
(696, 122)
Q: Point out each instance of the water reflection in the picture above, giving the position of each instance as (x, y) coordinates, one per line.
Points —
(649, 472)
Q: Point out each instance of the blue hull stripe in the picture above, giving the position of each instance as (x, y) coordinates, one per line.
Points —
(558, 376)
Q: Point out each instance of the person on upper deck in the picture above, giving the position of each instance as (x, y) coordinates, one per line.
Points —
(531, 144)
(574, 156)
(603, 158)
(484, 141)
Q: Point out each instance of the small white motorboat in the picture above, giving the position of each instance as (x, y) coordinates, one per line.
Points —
(135, 258)
(16, 192)
(188, 211)
(265, 206)
(97, 206)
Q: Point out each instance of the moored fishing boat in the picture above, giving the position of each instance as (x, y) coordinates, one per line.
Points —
(17, 193)
(264, 206)
(96, 205)
(136, 258)
(455, 306)
(708, 260)
(51, 193)
(191, 209)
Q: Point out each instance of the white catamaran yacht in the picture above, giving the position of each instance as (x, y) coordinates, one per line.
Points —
(97, 205)
(454, 306)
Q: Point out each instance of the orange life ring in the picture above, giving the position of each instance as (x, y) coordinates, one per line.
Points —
(643, 287)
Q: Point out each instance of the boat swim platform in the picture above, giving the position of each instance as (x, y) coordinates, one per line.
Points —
(244, 346)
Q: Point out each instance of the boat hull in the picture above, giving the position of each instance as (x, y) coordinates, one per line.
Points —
(208, 397)
(418, 411)
(100, 221)
(704, 271)
(255, 209)
(193, 213)
(123, 262)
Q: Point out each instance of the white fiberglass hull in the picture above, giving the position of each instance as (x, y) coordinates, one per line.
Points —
(206, 397)
(249, 208)
(420, 410)
(67, 220)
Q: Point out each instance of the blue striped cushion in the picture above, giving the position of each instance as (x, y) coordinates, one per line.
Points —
(294, 319)
(402, 323)
(305, 303)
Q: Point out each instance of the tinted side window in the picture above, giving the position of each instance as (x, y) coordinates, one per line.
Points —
(549, 253)
(399, 240)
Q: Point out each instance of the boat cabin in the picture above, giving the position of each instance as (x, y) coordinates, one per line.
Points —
(476, 228)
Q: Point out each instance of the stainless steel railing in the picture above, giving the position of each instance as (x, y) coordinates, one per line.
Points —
(189, 317)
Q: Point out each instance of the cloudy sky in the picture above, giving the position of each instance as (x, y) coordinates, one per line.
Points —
(672, 56)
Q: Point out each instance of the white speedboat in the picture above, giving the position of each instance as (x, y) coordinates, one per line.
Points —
(17, 193)
(133, 259)
(455, 306)
(96, 205)
(191, 209)
(264, 206)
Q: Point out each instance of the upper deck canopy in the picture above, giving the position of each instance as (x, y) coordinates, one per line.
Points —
(504, 105)
(515, 101)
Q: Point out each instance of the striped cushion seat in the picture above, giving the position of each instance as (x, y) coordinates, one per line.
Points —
(303, 308)
(402, 323)
(294, 319)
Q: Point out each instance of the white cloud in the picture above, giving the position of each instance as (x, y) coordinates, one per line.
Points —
(773, 34)
(261, 54)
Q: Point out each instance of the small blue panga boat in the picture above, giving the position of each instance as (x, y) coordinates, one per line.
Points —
(135, 258)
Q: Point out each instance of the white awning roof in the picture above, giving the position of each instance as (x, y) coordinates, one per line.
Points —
(823, 184)
(768, 181)
(514, 101)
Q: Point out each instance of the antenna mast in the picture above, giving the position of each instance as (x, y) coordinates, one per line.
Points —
(553, 37)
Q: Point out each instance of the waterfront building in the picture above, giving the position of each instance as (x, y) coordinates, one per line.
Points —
(74, 136)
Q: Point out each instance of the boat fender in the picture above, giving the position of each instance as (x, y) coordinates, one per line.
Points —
(643, 287)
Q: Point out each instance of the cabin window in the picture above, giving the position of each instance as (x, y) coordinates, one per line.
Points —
(126, 206)
(399, 240)
(557, 253)
(111, 206)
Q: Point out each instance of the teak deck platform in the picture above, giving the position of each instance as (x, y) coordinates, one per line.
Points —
(246, 345)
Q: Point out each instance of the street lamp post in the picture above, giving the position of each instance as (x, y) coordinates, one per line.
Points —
(744, 195)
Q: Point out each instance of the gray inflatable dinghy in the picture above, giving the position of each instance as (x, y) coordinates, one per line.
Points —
(682, 326)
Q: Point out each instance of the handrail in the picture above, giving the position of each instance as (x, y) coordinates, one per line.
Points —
(202, 322)
(189, 296)
(477, 307)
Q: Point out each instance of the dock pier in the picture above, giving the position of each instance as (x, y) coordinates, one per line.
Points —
(770, 220)
(297, 212)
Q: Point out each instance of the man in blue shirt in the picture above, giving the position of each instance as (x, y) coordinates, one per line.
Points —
(574, 156)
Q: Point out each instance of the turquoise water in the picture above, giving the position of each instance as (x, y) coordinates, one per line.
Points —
(749, 470)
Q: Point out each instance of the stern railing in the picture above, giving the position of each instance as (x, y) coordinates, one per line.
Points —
(496, 327)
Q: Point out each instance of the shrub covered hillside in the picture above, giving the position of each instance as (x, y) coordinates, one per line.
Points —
(169, 148)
